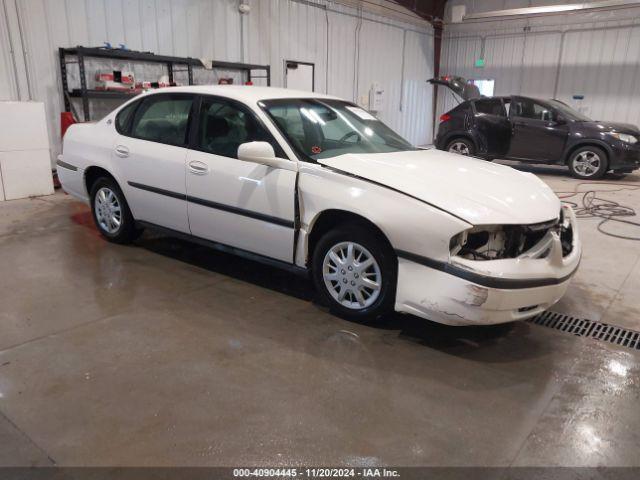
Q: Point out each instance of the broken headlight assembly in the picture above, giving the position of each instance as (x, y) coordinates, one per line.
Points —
(494, 242)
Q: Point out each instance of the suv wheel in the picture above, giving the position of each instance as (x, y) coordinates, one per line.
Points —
(461, 146)
(354, 272)
(588, 163)
(111, 212)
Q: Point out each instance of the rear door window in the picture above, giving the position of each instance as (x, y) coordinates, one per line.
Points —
(490, 106)
(163, 119)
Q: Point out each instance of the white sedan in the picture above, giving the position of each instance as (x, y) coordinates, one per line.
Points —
(320, 186)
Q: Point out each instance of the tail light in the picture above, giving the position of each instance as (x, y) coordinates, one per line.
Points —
(445, 117)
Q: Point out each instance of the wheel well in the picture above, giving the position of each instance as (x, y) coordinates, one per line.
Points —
(92, 174)
(586, 144)
(329, 219)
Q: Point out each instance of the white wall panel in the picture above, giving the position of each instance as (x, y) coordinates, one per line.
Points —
(318, 31)
(603, 65)
(416, 115)
(595, 54)
(380, 61)
(282, 30)
(343, 49)
(457, 58)
(503, 57)
(8, 87)
(539, 64)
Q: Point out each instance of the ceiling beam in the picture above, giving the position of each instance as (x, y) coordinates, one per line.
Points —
(428, 9)
(551, 9)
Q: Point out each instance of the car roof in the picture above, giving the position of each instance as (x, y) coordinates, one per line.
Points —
(243, 93)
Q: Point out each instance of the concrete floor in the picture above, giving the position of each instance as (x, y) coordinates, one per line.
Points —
(167, 353)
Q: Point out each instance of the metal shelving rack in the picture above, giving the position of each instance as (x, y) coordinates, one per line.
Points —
(173, 64)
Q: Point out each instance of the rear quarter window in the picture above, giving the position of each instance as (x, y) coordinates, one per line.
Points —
(490, 107)
(124, 116)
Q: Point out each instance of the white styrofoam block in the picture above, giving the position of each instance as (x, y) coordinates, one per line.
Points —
(26, 173)
(1, 188)
(23, 126)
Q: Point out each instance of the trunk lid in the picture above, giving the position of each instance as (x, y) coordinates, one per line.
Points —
(458, 85)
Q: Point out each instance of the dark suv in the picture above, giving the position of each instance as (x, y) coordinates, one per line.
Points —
(538, 131)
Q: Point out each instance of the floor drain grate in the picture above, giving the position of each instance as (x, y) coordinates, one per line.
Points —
(589, 328)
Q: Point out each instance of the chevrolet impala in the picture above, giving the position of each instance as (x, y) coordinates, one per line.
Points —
(320, 186)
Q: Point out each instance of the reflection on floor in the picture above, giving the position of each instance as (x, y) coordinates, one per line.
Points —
(166, 353)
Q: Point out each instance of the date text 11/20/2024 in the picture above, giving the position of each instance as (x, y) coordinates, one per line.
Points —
(316, 472)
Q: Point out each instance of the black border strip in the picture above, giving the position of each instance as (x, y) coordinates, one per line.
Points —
(217, 206)
(159, 191)
(66, 165)
(484, 280)
(241, 211)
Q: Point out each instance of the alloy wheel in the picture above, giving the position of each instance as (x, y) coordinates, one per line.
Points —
(459, 148)
(108, 210)
(352, 275)
(586, 163)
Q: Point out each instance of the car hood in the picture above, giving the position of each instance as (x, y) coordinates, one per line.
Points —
(618, 127)
(479, 192)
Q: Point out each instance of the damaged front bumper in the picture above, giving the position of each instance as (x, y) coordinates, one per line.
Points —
(466, 291)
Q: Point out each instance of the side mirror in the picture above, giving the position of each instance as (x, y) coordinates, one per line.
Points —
(263, 153)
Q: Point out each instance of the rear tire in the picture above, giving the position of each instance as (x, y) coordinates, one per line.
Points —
(111, 212)
(461, 146)
(588, 163)
(355, 271)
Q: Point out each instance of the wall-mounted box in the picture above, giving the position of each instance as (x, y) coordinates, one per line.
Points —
(376, 97)
(457, 13)
(25, 164)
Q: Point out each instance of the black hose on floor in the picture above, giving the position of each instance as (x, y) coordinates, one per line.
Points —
(593, 206)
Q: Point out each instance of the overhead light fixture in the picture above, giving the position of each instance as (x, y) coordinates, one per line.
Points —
(547, 9)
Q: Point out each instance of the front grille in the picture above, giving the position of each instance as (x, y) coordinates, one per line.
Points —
(589, 328)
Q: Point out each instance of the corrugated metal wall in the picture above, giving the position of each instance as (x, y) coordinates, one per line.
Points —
(351, 48)
(595, 54)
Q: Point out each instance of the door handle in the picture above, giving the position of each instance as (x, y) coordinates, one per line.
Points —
(122, 151)
(198, 168)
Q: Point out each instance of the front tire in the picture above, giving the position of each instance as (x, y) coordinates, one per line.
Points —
(111, 212)
(588, 163)
(355, 271)
(461, 146)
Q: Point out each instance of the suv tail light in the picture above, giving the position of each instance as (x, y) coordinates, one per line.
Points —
(445, 117)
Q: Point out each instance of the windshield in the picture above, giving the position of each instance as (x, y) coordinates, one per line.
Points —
(327, 128)
(569, 112)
